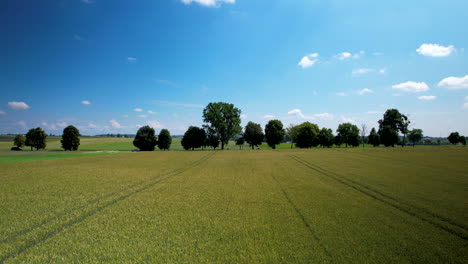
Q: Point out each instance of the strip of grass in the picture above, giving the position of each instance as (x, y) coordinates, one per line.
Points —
(49, 156)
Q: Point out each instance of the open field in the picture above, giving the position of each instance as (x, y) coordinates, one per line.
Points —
(372, 205)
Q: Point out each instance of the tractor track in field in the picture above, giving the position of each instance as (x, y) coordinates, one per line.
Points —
(302, 217)
(89, 210)
(439, 222)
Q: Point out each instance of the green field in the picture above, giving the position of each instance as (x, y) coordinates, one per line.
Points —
(371, 205)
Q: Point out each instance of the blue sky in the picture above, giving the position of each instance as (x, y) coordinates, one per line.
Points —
(111, 66)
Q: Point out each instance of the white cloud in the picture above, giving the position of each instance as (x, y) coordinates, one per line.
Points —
(341, 94)
(86, 102)
(324, 116)
(362, 71)
(364, 91)
(243, 116)
(132, 59)
(62, 124)
(18, 105)
(454, 83)
(427, 97)
(209, 3)
(348, 55)
(268, 116)
(21, 123)
(91, 125)
(383, 71)
(435, 50)
(413, 87)
(151, 112)
(309, 60)
(373, 112)
(115, 124)
(465, 106)
(345, 119)
(138, 110)
(298, 113)
(2, 112)
(143, 116)
(154, 124)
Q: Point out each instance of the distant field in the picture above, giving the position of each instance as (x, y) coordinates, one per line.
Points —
(371, 205)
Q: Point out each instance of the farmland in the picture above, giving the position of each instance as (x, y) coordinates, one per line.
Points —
(374, 205)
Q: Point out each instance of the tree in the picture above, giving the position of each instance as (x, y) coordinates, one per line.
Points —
(463, 140)
(326, 137)
(349, 134)
(223, 119)
(415, 135)
(164, 139)
(145, 139)
(70, 138)
(274, 133)
(454, 138)
(36, 138)
(19, 141)
(194, 137)
(363, 133)
(393, 122)
(307, 135)
(253, 134)
(374, 138)
(211, 140)
(291, 134)
(338, 141)
(240, 141)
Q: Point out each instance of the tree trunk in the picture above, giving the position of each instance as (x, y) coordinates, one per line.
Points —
(222, 145)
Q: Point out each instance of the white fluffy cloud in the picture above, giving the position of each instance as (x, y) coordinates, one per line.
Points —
(115, 124)
(18, 105)
(324, 116)
(298, 113)
(143, 116)
(413, 87)
(454, 83)
(268, 116)
(435, 50)
(209, 3)
(21, 123)
(364, 91)
(362, 71)
(151, 112)
(138, 110)
(86, 102)
(132, 59)
(309, 60)
(341, 94)
(91, 125)
(348, 55)
(427, 97)
(154, 124)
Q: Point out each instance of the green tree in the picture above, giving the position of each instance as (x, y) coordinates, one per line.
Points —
(415, 135)
(349, 134)
(70, 138)
(19, 141)
(454, 138)
(253, 134)
(145, 139)
(374, 138)
(36, 138)
(194, 137)
(240, 141)
(393, 122)
(326, 137)
(223, 120)
(307, 135)
(291, 134)
(211, 140)
(164, 139)
(274, 133)
(338, 141)
(463, 140)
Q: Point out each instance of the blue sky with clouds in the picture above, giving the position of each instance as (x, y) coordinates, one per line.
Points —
(111, 66)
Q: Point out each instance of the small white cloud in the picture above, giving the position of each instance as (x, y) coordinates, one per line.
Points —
(2, 112)
(115, 124)
(298, 113)
(18, 105)
(209, 3)
(154, 124)
(454, 83)
(435, 50)
(373, 112)
(243, 116)
(324, 116)
(364, 91)
(86, 102)
(348, 55)
(92, 126)
(341, 94)
(427, 97)
(309, 60)
(345, 119)
(151, 112)
(465, 106)
(268, 116)
(143, 116)
(62, 124)
(413, 87)
(21, 123)
(132, 59)
(138, 110)
(362, 71)
(383, 71)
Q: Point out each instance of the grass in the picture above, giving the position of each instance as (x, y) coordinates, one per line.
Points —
(371, 205)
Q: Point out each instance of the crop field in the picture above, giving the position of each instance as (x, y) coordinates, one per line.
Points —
(356, 205)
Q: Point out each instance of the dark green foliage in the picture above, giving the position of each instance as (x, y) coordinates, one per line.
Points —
(164, 139)
(415, 135)
(240, 141)
(36, 138)
(223, 120)
(307, 135)
(338, 141)
(374, 138)
(211, 140)
(274, 133)
(349, 134)
(393, 121)
(19, 141)
(194, 137)
(326, 137)
(145, 139)
(70, 138)
(454, 138)
(253, 134)
(463, 140)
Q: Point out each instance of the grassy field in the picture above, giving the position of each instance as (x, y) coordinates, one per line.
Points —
(371, 205)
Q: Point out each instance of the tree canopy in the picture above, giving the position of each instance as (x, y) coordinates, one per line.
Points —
(223, 120)
(253, 134)
(19, 141)
(36, 138)
(326, 137)
(274, 133)
(164, 139)
(194, 137)
(454, 138)
(349, 134)
(70, 138)
(389, 126)
(145, 139)
(374, 138)
(307, 135)
(415, 135)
